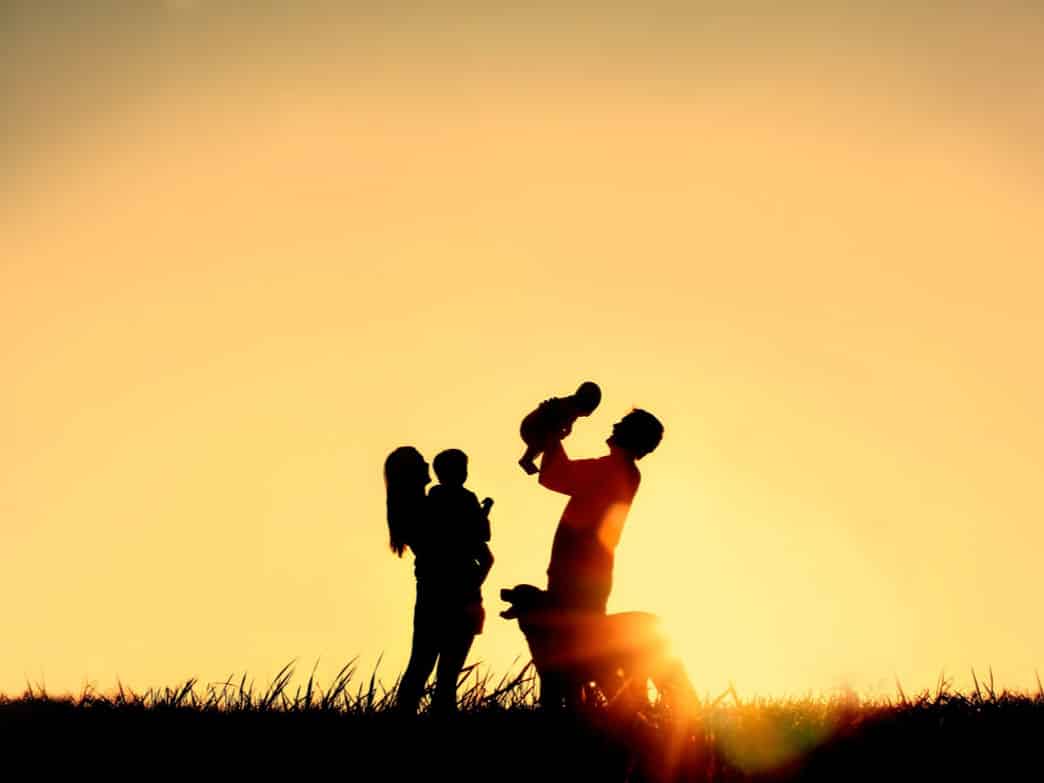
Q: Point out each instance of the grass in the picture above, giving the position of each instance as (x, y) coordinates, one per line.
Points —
(348, 728)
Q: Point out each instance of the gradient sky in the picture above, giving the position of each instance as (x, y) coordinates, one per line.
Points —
(246, 249)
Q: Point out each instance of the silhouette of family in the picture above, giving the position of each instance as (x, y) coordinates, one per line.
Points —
(448, 531)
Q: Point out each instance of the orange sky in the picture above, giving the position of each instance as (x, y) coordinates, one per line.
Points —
(245, 253)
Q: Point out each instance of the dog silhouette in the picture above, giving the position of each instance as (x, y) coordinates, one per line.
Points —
(588, 657)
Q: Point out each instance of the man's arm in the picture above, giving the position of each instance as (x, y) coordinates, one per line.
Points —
(554, 468)
(557, 472)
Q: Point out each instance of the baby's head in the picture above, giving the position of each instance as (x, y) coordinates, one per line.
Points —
(451, 467)
(587, 397)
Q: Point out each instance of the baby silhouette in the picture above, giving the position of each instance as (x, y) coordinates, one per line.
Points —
(554, 419)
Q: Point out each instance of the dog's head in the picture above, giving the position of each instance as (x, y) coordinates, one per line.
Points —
(540, 622)
(524, 600)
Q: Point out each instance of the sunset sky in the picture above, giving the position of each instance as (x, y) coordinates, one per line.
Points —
(246, 249)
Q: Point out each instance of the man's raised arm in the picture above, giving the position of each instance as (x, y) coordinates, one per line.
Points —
(556, 469)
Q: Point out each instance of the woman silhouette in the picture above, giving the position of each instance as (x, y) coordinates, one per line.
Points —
(444, 624)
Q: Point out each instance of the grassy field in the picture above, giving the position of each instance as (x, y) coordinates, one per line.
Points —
(348, 729)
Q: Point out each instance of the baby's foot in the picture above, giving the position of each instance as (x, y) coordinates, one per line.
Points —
(528, 466)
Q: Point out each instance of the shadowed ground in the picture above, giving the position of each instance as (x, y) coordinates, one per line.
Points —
(345, 732)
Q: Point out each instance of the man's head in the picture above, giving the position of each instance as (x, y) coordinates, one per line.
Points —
(451, 467)
(638, 433)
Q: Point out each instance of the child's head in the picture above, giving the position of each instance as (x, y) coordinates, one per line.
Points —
(451, 466)
(637, 433)
(587, 397)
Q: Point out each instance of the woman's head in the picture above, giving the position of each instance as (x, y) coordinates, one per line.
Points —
(405, 476)
(406, 467)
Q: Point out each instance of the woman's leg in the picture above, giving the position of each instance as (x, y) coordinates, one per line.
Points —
(423, 652)
(452, 655)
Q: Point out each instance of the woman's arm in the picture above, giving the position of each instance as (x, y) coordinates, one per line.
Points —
(484, 558)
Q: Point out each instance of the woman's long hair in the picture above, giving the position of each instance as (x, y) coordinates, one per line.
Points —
(405, 476)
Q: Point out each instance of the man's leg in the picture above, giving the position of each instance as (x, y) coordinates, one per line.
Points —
(581, 599)
(553, 690)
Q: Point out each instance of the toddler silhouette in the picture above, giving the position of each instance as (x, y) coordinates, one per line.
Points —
(553, 419)
(464, 529)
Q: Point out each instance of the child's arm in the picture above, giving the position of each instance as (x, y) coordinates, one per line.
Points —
(484, 531)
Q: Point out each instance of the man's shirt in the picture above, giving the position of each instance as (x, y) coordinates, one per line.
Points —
(600, 494)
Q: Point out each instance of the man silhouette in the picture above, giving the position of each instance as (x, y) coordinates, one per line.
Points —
(600, 491)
